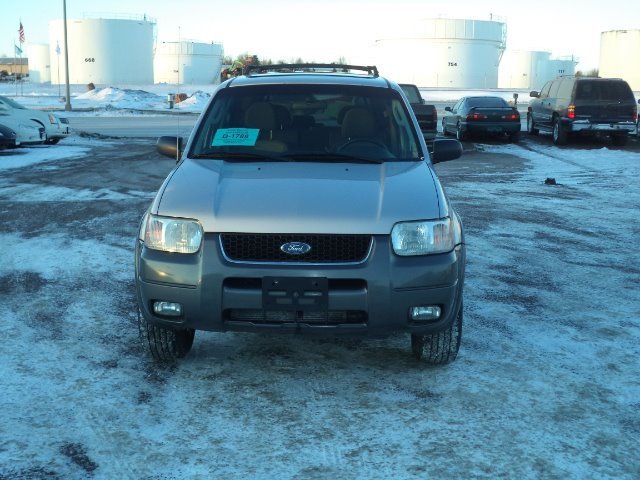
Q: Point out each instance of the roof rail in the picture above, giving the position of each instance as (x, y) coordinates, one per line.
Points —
(310, 67)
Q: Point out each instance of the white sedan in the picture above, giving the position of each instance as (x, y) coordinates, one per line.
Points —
(55, 128)
(16, 132)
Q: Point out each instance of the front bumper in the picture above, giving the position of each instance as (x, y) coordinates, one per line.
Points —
(368, 299)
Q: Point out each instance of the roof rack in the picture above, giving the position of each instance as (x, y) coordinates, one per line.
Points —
(310, 67)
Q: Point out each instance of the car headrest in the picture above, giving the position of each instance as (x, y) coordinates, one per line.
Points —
(261, 115)
(358, 122)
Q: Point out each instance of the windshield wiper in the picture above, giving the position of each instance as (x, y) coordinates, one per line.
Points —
(239, 156)
(293, 157)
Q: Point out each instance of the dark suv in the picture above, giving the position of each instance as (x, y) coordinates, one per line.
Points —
(304, 202)
(583, 105)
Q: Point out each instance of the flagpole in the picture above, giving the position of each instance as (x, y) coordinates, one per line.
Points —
(15, 70)
(67, 106)
(58, 69)
(21, 42)
(21, 90)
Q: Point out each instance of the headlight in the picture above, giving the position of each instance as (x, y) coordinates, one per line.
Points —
(426, 238)
(169, 234)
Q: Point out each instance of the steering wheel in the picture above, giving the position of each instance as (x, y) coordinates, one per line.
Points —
(364, 141)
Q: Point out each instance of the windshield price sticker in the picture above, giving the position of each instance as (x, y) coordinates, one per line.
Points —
(245, 137)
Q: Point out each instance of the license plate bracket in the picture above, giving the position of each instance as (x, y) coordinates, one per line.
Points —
(295, 293)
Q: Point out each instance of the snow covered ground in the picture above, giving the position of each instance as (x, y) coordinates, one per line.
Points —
(546, 385)
(112, 101)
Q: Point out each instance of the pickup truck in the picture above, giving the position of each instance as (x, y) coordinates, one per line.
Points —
(426, 114)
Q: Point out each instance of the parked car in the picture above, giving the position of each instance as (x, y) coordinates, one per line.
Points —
(304, 202)
(16, 132)
(571, 105)
(55, 128)
(427, 115)
(485, 115)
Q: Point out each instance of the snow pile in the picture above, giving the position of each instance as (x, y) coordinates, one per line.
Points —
(112, 97)
(195, 103)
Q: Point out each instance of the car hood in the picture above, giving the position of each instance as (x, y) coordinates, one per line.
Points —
(286, 197)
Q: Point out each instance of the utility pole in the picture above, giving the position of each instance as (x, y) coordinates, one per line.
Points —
(67, 106)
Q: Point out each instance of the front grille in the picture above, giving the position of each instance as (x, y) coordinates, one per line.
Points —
(331, 317)
(265, 248)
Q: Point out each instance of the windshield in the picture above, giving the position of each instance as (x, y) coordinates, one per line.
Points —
(11, 103)
(307, 123)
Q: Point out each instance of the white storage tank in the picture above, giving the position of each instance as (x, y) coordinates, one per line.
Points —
(523, 69)
(619, 54)
(105, 50)
(39, 63)
(561, 66)
(530, 70)
(441, 52)
(187, 62)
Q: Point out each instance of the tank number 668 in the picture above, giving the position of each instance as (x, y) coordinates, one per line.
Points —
(90, 60)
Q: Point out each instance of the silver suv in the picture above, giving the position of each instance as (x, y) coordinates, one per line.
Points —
(304, 202)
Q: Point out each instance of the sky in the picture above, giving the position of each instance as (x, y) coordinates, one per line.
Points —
(333, 29)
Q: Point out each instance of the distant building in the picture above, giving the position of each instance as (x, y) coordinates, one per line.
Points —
(619, 56)
(14, 65)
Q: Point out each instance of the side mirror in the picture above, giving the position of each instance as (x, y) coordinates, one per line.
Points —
(446, 149)
(534, 94)
(171, 147)
(447, 109)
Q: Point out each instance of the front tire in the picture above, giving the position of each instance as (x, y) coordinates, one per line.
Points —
(166, 345)
(531, 127)
(445, 132)
(439, 348)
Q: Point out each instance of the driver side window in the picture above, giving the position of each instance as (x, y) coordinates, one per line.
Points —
(544, 93)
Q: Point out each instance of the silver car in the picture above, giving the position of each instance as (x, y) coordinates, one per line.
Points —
(16, 132)
(304, 202)
(55, 128)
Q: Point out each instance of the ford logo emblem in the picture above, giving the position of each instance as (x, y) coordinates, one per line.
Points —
(295, 248)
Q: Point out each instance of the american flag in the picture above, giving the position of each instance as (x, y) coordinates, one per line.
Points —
(21, 32)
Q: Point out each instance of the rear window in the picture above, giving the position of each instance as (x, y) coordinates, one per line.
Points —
(487, 102)
(603, 90)
(412, 93)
